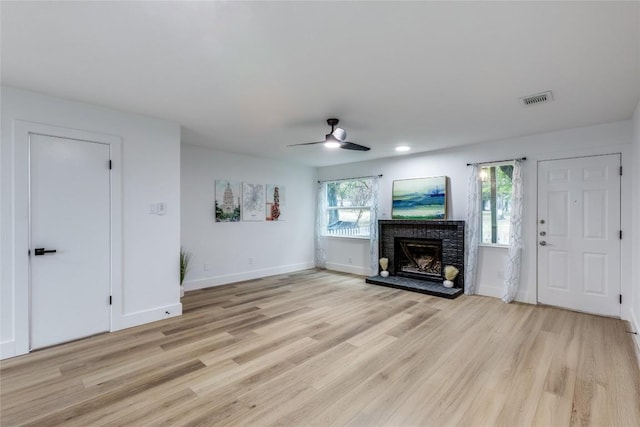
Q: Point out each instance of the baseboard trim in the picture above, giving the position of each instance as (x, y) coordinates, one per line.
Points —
(348, 268)
(496, 292)
(489, 291)
(192, 285)
(147, 316)
(7, 349)
(635, 327)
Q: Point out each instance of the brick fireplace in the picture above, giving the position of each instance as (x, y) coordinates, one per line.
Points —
(418, 251)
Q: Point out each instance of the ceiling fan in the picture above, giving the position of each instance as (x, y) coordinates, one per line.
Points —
(336, 139)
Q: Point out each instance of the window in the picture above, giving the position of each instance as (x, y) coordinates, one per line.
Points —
(348, 211)
(496, 203)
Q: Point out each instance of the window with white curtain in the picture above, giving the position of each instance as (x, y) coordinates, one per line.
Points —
(496, 193)
(348, 207)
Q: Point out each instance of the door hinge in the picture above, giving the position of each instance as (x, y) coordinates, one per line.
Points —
(110, 300)
(620, 170)
(29, 252)
(620, 234)
(620, 298)
(110, 165)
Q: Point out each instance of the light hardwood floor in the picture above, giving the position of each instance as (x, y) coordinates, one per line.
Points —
(318, 348)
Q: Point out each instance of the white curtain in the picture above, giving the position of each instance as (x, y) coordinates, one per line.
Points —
(321, 226)
(472, 231)
(514, 259)
(373, 236)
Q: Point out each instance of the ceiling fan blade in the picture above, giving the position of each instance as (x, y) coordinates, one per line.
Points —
(353, 146)
(306, 143)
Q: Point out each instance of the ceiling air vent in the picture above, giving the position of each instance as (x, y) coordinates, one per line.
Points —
(538, 98)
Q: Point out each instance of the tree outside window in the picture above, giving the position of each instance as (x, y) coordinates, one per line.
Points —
(349, 207)
(496, 203)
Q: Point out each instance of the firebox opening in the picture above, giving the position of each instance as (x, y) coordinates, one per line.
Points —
(419, 258)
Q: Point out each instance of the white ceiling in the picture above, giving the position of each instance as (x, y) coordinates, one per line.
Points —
(253, 77)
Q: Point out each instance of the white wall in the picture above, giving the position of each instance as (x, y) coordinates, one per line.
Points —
(274, 247)
(635, 281)
(150, 172)
(635, 278)
(351, 255)
(602, 139)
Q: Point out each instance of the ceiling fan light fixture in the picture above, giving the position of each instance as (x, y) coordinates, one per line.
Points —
(331, 141)
(339, 134)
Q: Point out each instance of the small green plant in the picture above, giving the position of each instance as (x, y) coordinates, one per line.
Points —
(185, 259)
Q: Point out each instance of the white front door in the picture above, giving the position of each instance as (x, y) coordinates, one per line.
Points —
(579, 234)
(69, 215)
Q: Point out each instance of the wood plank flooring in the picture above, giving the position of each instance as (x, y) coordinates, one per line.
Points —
(317, 348)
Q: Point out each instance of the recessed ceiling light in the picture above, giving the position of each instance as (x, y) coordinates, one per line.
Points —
(403, 148)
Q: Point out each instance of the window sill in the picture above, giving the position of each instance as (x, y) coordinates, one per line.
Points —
(330, 236)
(493, 245)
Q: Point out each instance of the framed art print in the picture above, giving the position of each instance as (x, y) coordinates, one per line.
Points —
(420, 198)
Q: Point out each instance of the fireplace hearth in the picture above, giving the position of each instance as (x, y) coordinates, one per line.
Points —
(418, 251)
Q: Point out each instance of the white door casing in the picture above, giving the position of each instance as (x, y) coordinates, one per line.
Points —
(579, 234)
(70, 212)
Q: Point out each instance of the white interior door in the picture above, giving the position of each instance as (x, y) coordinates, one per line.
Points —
(579, 234)
(69, 214)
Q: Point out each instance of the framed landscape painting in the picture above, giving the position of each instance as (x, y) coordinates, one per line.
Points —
(420, 198)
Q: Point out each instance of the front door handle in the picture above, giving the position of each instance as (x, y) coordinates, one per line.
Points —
(42, 251)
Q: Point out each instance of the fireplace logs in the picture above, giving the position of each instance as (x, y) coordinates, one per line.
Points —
(419, 257)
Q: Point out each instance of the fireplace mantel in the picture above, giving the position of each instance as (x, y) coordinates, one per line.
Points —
(450, 232)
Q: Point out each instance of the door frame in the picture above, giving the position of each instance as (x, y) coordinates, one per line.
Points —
(22, 279)
(621, 221)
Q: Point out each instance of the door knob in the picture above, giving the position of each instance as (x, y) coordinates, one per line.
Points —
(543, 243)
(42, 251)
